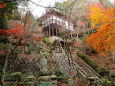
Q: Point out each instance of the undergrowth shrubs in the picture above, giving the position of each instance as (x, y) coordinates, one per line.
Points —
(89, 61)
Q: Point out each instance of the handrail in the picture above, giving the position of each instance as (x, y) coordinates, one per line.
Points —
(90, 70)
(81, 70)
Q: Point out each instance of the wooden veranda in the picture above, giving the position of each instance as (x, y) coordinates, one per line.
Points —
(53, 22)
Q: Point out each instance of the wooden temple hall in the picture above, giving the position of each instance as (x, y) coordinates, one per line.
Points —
(53, 22)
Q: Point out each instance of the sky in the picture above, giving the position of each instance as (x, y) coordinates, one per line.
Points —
(112, 0)
(38, 11)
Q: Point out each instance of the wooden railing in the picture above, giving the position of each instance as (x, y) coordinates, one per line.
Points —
(60, 23)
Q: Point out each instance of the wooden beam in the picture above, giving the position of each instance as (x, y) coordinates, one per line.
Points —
(49, 30)
(56, 32)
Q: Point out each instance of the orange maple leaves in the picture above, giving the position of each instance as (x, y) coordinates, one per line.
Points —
(104, 39)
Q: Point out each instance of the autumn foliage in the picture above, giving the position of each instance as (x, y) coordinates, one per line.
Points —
(16, 32)
(104, 39)
(2, 5)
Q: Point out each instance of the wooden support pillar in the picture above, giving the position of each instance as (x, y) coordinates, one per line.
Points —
(71, 34)
(56, 32)
(52, 30)
(45, 32)
(49, 30)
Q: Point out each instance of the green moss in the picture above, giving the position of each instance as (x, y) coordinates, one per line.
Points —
(46, 40)
(4, 46)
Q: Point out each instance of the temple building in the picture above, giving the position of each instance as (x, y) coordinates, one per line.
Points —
(53, 22)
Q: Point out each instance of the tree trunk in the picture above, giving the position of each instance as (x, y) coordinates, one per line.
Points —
(114, 57)
(6, 62)
(78, 35)
(4, 70)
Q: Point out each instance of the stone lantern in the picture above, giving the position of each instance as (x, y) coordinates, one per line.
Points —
(30, 80)
(92, 81)
(45, 79)
(113, 78)
(54, 80)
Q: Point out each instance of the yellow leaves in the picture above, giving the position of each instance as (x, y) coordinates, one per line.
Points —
(104, 40)
(98, 16)
(95, 15)
(66, 3)
(5, 16)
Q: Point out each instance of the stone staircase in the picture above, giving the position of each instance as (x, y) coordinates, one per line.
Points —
(81, 67)
(85, 70)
